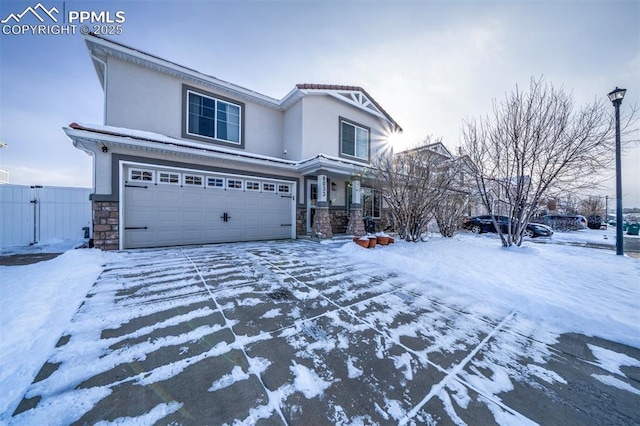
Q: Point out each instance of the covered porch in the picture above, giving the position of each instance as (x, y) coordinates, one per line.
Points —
(335, 200)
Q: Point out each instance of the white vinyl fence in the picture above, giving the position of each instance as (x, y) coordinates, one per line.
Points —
(32, 214)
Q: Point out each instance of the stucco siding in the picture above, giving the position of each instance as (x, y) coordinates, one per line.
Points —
(102, 173)
(292, 134)
(143, 99)
(321, 125)
(263, 130)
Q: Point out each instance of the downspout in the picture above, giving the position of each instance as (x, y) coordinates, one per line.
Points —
(92, 154)
(104, 85)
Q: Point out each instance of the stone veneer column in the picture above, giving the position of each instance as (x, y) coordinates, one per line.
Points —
(321, 227)
(106, 222)
(356, 222)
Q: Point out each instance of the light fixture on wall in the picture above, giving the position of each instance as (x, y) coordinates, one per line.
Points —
(105, 149)
(334, 186)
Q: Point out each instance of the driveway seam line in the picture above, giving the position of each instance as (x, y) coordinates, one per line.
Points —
(452, 373)
(242, 346)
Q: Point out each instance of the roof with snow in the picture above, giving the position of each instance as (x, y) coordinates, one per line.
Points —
(110, 135)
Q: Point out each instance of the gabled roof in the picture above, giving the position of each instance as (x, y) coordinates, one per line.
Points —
(437, 148)
(354, 95)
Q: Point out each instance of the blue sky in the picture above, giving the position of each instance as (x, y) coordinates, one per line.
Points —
(430, 64)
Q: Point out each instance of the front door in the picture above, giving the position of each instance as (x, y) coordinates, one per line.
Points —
(312, 198)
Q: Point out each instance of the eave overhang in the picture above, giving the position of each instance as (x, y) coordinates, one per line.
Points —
(93, 139)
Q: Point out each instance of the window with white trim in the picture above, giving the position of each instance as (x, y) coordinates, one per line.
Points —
(284, 189)
(252, 185)
(194, 180)
(141, 175)
(354, 140)
(169, 178)
(234, 184)
(213, 118)
(215, 182)
(268, 187)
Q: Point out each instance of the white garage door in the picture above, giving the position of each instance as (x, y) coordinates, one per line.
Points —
(171, 207)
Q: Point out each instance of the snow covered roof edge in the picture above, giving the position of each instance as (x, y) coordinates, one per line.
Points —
(145, 136)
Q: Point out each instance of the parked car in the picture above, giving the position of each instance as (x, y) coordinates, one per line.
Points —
(565, 222)
(480, 224)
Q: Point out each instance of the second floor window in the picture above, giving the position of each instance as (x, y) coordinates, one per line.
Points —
(213, 118)
(354, 140)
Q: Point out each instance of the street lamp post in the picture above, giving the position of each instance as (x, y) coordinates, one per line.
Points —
(616, 98)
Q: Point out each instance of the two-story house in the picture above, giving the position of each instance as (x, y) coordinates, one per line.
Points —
(187, 158)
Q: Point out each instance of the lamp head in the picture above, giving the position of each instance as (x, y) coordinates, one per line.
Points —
(617, 95)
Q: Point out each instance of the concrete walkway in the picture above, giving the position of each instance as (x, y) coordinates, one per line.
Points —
(285, 333)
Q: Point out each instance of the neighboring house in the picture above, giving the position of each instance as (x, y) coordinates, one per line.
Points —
(464, 179)
(186, 158)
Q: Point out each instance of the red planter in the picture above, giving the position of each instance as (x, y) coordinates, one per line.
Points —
(361, 243)
(382, 240)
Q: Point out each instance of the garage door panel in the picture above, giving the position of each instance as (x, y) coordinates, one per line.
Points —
(165, 194)
(180, 215)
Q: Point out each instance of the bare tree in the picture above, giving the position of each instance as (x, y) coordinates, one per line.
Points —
(534, 144)
(592, 206)
(413, 183)
(450, 211)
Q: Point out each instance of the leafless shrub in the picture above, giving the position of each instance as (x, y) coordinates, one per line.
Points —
(414, 183)
(449, 212)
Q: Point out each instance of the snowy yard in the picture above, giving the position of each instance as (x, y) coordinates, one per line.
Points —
(462, 322)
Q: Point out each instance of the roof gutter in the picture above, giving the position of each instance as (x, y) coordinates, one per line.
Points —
(107, 139)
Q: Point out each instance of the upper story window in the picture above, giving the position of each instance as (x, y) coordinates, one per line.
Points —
(354, 140)
(212, 118)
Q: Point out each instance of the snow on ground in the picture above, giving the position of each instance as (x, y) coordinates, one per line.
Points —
(36, 304)
(561, 288)
(566, 288)
(595, 236)
(50, 246)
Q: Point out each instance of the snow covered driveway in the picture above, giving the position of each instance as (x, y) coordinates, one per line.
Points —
(297, 332)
